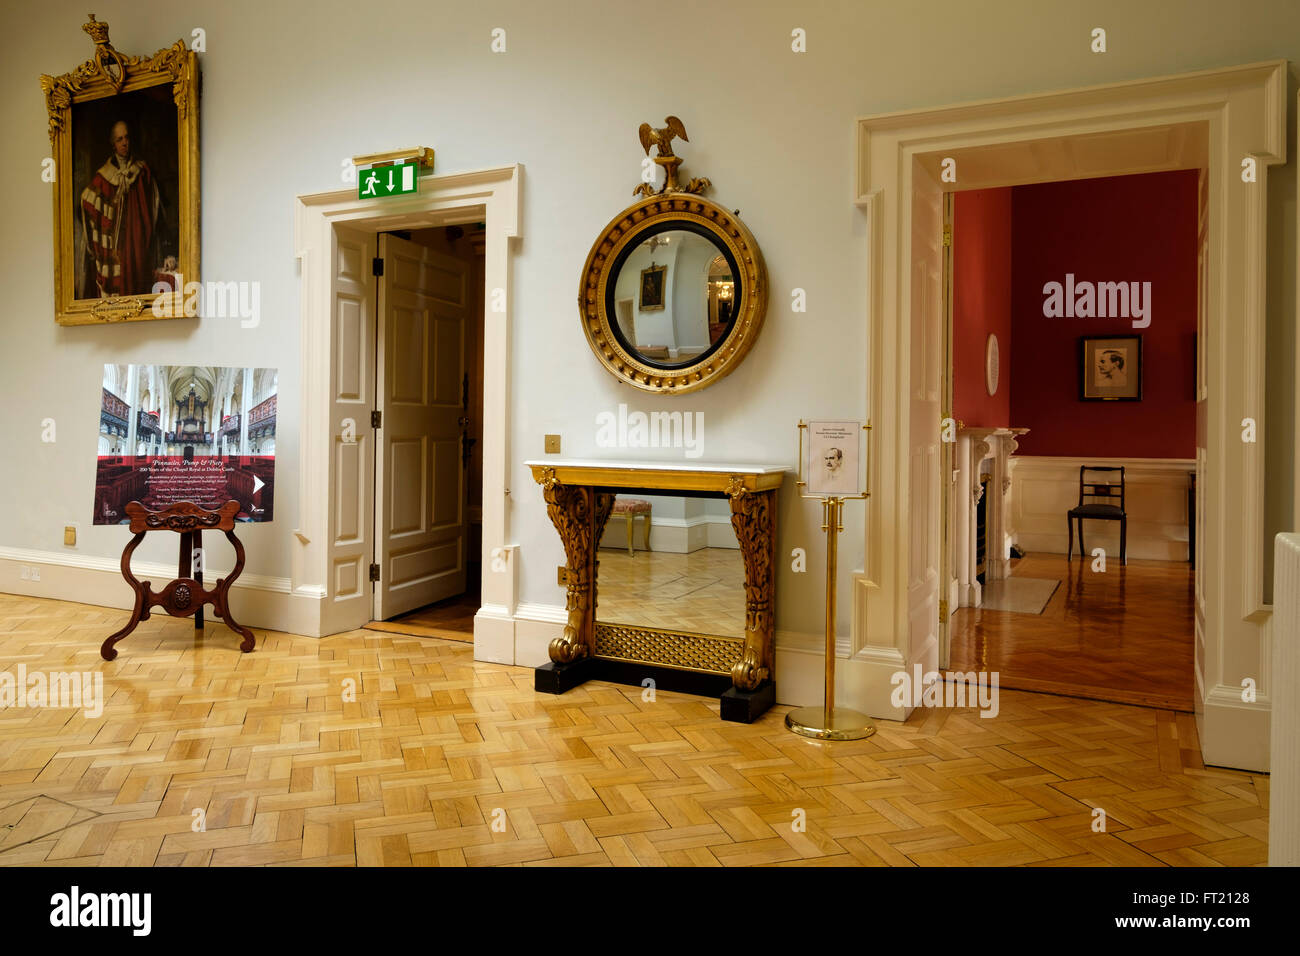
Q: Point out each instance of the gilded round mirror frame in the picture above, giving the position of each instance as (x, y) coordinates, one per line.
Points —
(627, 229)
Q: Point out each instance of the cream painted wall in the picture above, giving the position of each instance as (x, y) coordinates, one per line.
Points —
(291, 89)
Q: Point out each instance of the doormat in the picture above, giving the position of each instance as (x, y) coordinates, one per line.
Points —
(1021, 595)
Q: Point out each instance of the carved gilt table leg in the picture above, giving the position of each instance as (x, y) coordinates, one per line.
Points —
(579, 514)
(754, 520)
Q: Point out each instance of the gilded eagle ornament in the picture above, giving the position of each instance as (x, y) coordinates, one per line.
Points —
(662, 139)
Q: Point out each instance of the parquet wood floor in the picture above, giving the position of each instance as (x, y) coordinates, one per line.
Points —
(435, 749)
(451, 619)
(703, 591)
(1123, 635)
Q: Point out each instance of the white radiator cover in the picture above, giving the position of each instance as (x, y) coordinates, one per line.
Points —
(1284, 746)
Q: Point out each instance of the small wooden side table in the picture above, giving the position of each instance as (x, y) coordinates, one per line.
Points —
(185, 595)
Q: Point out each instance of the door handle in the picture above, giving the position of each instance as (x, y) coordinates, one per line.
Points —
(462, 421)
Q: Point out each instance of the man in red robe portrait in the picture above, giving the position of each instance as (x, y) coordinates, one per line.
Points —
(119, 213)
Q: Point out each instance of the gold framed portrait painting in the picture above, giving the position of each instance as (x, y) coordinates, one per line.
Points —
(652, 288)
(124, 131)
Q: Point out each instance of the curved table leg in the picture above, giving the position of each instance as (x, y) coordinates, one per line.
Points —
(221, 602)
(196, 545)
(107, 650)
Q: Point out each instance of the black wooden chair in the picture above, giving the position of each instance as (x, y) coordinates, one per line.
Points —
(1103, 510)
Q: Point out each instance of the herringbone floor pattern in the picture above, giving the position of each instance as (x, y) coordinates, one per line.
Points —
(703, 591)
(1125, 635)
(443, 761)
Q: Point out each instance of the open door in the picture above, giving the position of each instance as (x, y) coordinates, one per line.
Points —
(351, 469)
(925, 403)
(420, 511)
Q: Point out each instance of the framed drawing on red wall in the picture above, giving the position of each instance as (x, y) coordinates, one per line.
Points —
(1110, 368)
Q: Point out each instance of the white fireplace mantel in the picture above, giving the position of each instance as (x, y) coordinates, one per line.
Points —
(975, 446)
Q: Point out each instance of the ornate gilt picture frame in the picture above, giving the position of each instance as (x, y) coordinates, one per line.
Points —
(652, 288)
(125, 137)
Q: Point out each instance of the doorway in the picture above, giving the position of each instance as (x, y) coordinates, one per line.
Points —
(1034, 441)
(428, 364)
(336, 238)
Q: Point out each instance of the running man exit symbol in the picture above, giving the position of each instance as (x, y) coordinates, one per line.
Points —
(393, 180)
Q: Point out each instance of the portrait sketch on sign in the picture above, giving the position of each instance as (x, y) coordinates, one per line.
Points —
(834, 458)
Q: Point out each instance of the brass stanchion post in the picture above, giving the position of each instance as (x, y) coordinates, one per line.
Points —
(829, 722)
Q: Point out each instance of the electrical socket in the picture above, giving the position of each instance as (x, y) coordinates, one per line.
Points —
(552, 444)
(30, 572)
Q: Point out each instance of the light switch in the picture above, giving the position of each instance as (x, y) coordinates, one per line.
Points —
(70, 536)
(552, 444)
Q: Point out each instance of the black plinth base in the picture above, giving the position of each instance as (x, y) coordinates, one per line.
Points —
(665, 678)
(736, 705)
(746, 706)
(553, 678)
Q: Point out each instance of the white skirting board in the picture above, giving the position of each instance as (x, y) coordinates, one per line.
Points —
(1284, 748)
(672, 535)
(255, 600)
(1044, 489)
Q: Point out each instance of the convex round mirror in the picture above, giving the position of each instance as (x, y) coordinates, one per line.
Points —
(673, 293)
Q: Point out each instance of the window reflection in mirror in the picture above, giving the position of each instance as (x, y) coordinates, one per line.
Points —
(692, 576)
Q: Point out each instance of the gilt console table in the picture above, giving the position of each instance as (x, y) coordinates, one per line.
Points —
(739, 668)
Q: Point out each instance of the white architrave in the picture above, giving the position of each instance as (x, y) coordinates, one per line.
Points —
(491, 196)
(1210, 119)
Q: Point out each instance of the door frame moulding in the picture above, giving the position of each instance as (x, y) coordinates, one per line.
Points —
(492, 196)
(1295, 444)
(1118, 127)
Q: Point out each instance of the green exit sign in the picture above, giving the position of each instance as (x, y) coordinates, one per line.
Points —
(379, 181)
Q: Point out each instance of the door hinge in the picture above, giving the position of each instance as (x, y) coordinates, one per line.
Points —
(943, 611)
(374, 572)
(947, 235)
(376, 419)
(377, 265)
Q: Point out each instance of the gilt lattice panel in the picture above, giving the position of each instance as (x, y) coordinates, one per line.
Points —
(694, 652)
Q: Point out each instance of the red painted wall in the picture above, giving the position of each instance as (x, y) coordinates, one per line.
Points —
(1123, 228)
(981, 303)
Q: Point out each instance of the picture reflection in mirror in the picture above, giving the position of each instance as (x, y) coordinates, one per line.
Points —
(674, 298)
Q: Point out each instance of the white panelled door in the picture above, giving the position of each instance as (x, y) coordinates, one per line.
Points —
(420, 482)
(351, 480)
(926, 384)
